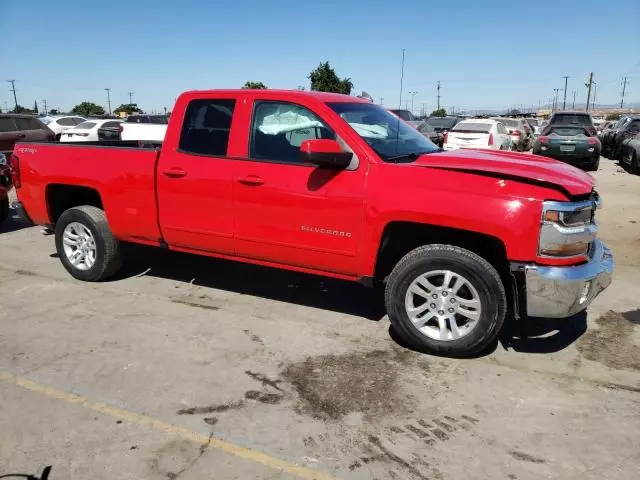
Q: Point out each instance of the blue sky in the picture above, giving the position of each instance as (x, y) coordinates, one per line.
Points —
(487, 54)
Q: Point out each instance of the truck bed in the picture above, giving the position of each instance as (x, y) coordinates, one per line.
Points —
(122, 173)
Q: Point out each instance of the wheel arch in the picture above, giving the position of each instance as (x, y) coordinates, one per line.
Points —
(62, 197)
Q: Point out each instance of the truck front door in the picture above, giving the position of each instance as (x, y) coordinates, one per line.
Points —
(195, 179)
(290, 212)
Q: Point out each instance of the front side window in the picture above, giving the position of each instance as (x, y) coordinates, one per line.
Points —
(34, 124)
(391, 138)
(278, 129)
(206, 127)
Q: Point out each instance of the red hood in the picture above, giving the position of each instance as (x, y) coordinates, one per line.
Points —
(522, 166)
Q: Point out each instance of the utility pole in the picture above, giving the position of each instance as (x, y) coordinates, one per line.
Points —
(15, 99)
(406, 104)
(589, 85)
(624, 89)
(130, 100)
(595, 89)
(381, 100)
(108, 90)
(555, 98)
(413, 96)
(401, 79)
(45, 106)
(564, 102)
(574, 100)
(438, 94)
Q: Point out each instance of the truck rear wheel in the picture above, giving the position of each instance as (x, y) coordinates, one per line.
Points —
(85, 244)
(446, 300)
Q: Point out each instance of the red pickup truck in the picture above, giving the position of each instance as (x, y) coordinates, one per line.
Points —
(337, 186)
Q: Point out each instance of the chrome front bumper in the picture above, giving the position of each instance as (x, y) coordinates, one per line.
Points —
(559, 292)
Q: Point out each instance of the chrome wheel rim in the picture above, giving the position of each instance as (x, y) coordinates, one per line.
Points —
(443, 305)
(79, 246)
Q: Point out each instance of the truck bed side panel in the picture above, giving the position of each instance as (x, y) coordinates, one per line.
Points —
(124, 178)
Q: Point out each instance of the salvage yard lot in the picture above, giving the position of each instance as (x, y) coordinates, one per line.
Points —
(186, 367)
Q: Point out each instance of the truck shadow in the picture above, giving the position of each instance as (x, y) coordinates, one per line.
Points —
(13, 223)
(275, 284)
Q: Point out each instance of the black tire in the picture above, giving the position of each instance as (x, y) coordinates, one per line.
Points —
(634, 165)
(594, 164)
(484, 278)
(58, 137)
(108, 255)
(4, 209)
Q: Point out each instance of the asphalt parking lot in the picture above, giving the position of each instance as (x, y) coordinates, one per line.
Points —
(186, 367)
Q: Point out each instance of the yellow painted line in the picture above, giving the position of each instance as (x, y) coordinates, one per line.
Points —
(222, 445)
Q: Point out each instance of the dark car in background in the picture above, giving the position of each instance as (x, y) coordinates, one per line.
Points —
(5, 185)
(630, 153)
(21, 128)
(573, 144)
(612, 140)
(443, 124)
(407, 116)
(582, 119)
(110, 131)
(428, 131)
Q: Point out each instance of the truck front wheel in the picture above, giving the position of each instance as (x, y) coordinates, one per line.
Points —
(85, 244)
(446, 300)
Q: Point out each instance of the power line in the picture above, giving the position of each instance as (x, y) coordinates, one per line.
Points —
(13, 88)
(624, 89)
(564, 101)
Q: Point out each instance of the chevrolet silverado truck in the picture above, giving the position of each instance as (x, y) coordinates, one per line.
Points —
(332, 185)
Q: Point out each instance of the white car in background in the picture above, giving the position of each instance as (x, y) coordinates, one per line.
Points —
(478, 133)
(87, 131)
(59, 124)
(151, 128)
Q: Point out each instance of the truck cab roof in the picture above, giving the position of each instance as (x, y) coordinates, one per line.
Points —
(325, 97)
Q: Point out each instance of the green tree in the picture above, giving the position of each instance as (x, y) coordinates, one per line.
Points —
(254, 86)
(514, 111)
(612, 116)
(88, 109)
(54, 111)
(20, 109)
(128, 108)
(441, 112)
(324, 79)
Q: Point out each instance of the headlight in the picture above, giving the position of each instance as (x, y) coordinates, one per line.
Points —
(567, 229)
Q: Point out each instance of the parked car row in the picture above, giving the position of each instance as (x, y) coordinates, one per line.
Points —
(622, 142)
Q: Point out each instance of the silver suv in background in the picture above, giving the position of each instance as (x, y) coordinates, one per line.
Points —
(520, 132)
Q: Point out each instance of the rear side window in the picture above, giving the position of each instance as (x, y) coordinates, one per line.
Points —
(66, 122)
(206, 127)
(78, 120)
(635, 126)
(35, 124)
(23, 123)
(7, 124)
(86, 125)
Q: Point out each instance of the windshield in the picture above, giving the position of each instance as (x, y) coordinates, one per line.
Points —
(441, 122)
(385, 133)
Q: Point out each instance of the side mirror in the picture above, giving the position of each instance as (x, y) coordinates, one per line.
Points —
(325, 153)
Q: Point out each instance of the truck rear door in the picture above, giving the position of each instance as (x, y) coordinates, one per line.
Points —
(195, 179)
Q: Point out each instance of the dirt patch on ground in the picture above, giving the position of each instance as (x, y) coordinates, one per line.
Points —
(331, 386)
(612, 342)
